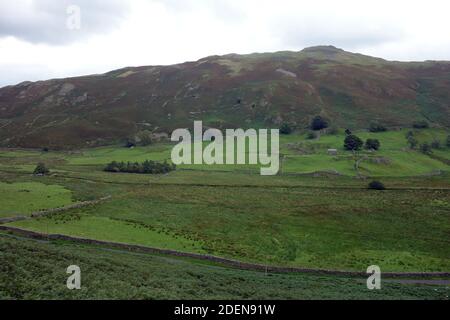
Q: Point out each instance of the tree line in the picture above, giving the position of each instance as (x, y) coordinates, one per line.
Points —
(146, 167)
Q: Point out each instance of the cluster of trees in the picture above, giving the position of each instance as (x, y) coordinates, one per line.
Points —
(317, 123)
(377, 127)
(426, 147)
(354, 143)
(146, 167)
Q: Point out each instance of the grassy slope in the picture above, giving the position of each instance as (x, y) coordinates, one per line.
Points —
(35, 270)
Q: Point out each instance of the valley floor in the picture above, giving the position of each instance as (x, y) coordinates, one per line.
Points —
(318, 214)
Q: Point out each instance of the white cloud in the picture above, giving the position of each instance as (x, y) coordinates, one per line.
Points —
(123, 33)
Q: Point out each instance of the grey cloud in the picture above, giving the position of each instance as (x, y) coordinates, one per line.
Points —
(44, 21)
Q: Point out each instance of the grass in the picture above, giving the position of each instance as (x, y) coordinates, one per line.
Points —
(26, 197)
(299, 218)
(317, 228)
(102, 228)
(36, 270)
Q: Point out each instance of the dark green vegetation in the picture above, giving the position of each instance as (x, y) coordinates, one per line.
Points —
(146, 167)
(37, 270)
(256, 90)
(41, 169)
(376, 185)
(353, 143)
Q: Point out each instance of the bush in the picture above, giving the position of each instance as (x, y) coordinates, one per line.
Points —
(376, 185)
(425, 148)
(436, 144)
(41, 169)
(421, 125)
(448, 141)
(319, 123)
(372, 144)
(348, 132)
(376, 127)
(285, 129)
(353, 143)
(146, 167)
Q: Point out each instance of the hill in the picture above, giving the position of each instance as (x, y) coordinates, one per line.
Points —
(255, 90)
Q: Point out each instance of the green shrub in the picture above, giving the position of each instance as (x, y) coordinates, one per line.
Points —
(421, 125)
(436, 144)
(41, 169)
(285, 129)
(425, 148)
(377, 127)
(376, 185)
(372, 144)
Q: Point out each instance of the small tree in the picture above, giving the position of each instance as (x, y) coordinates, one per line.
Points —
(421, 125)
(285, 129)
(319, 123)
(425, 148)
(412, 142)
(436, 144)
(372, 144)
(41, 169)
(376, 185)
(353, 143)
(377, 127)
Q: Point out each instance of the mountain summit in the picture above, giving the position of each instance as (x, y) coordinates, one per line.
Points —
(254, 90)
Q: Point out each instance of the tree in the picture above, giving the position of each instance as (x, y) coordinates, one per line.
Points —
(448, 141)
(319, 123)
(425, 148)
(41, 169)
(436, 144)
(377, 127)
(353, 143)
(412, 141)
(285, 129)
(376, 185)
(372, 144)
(421, 125)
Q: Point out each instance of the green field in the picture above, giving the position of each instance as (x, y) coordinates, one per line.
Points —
(317, 213)
(27, 197)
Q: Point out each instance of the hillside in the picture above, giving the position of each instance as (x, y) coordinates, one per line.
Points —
(225, 91)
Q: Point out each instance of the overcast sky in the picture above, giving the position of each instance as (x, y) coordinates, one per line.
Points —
(41, 39)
